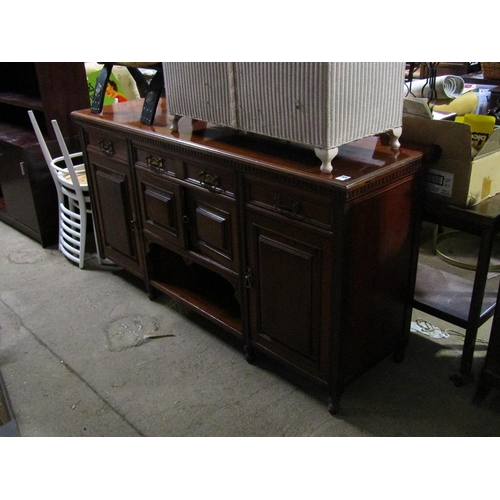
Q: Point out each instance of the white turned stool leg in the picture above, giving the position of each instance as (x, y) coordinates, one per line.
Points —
(326, 156)
(394, 135)
(175, 123)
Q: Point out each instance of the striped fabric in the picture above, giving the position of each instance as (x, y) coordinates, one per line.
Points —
(320, 105)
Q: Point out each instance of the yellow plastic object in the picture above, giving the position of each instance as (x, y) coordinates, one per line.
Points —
(466, 103)
(481, 127)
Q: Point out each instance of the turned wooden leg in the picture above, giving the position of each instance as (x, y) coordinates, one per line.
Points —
(249, 354)
(334, 405)
(326, 156)
(394, 136)
(334, 394)
(152, 292)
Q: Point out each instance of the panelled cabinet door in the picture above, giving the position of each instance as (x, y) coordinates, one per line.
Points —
(287, 278)
(211, 224)
(160, 208)
(15, 188)
(117, 215)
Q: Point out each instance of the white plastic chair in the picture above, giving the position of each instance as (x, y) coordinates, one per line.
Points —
(73, 196)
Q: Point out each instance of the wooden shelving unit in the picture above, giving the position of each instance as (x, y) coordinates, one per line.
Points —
(28, 199)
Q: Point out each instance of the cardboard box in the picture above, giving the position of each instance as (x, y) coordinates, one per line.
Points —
(456, 178)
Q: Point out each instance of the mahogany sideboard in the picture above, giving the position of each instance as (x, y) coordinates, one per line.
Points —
(316, 270)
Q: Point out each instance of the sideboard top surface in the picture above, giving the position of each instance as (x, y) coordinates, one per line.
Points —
(356, 163)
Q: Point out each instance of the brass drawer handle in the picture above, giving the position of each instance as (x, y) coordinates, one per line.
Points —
(288, 207)
(107, 147)
(208, 181)
(155, 162)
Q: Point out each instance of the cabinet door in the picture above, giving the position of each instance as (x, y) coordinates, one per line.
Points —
(288, 277)
(118, 224)
(160, 207)
(16, 188)
(212, 227)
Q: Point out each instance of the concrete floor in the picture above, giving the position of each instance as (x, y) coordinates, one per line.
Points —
(86, 353)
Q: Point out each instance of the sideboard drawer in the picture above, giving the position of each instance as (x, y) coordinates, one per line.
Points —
(157, 161)
(213, 178)
(293, 203)
(108, 145)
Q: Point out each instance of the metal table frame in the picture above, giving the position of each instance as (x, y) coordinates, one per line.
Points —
(482, 220)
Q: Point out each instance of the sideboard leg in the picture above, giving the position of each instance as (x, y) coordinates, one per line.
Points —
(152, 292)
(249, 354)
(334, 405)
(334, 398)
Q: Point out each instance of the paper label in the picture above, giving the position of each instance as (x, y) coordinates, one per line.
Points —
(439, 182)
